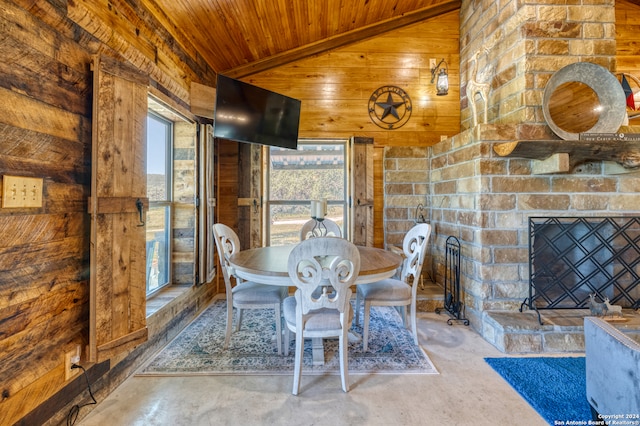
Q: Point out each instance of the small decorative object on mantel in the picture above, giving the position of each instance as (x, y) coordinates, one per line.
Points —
(597, 309)
(628, 159)
(584, 104)
(613, 309)
(610, 137)
(390, 107)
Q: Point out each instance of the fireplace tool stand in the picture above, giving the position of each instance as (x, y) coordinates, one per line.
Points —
(452, 303)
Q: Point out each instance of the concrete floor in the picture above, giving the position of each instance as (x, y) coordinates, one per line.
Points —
(466, 392)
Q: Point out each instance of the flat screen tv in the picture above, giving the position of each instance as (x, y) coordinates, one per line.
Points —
(247, 113)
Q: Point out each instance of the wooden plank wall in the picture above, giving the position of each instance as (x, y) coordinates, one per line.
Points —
(45, 128)
(44, 252)
(627, 48)
(335, 87)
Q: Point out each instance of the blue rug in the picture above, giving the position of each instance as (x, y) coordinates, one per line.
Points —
(197, 350)
(554, 387)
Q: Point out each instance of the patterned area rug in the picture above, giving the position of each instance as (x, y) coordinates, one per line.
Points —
(197, 350)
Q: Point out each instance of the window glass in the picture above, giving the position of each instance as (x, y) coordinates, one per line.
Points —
(158, 217)
(158, 140)
(315, 171)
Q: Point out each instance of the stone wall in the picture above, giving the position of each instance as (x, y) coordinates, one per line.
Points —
(406, 181)
(521, 45)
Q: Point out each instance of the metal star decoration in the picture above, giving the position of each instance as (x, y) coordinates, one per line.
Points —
(390, 107)
(390, 113)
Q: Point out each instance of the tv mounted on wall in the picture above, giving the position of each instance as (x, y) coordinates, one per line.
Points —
(247, 113)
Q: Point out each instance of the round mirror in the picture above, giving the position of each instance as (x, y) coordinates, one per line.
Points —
(574, 107)
(583, 98)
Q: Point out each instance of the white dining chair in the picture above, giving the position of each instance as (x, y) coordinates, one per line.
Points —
(328, 228)
(323, 269)
(398, 292)
(245, 294)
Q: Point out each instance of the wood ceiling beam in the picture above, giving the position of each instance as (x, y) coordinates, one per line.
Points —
(342, 39)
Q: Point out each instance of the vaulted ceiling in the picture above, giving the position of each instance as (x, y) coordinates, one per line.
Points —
(241, 37)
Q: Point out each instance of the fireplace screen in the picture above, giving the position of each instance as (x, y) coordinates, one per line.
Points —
(572, 257)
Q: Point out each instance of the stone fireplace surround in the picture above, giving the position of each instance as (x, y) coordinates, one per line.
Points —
(485, 200)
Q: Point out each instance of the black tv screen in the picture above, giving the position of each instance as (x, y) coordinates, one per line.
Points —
(247, 113)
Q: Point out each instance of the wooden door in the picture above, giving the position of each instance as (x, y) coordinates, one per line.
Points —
(363, 196)
(118, 187)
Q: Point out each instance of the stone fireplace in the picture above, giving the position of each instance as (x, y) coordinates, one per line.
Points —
(484, 199)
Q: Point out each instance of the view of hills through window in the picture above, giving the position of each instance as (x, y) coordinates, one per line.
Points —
(315, 171)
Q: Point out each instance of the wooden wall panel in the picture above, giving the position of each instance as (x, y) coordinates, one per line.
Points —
(227, 173)
(118, 178)
(46, 87)
(44, 252)
(378, 196)
(128, 28)
(335, 87)
(627, 48)
(363, 196)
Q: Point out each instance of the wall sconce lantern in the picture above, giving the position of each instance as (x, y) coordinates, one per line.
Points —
(440, 71)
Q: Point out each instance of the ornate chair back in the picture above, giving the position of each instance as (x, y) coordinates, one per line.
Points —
(227, 244)
(327, 228)
(414, 247)
(323, 270)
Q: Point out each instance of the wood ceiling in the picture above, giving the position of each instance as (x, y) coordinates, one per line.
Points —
(242, 37)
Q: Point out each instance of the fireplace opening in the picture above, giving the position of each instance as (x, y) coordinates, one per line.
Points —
(573, 257)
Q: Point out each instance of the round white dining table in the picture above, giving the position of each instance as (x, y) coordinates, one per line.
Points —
(268, 265)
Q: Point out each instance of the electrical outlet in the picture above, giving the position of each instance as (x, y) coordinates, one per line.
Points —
(70, 358)
(432, 63)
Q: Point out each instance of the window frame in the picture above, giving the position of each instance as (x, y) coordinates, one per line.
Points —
(167, 202)
(347, 184)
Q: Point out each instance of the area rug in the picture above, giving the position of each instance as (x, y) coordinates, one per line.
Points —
(197, 350)
(554, 387)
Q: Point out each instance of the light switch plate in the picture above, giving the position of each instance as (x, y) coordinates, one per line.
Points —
(19, 191)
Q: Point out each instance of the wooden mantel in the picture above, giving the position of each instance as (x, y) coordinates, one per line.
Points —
(559, 156)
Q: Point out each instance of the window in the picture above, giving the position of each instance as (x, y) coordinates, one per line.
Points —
(158, 218)
(316, 170)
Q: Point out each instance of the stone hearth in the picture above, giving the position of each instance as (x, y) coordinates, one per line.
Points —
(561, 330)
(521, 333)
